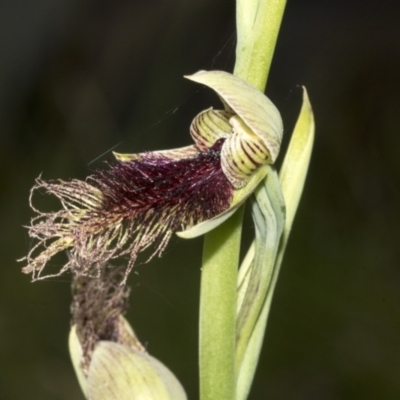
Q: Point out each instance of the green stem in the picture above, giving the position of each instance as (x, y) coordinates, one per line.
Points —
(258, 23)
(218, 310)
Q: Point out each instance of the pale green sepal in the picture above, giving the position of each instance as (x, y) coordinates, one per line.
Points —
(125, 157)
(295, 164)
(244, 275)
(206, 226)
(76, 353)
(172, 154)
(251, 105)
(118, 372)
(252, 354)
(255, 282)
(239, 197)
(126, 336)
(292, 177)
(123, 370)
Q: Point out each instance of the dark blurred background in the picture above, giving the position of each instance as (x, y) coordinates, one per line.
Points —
(78, 78)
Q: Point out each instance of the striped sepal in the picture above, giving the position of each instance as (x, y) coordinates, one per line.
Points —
(242, 154)
(209, 126)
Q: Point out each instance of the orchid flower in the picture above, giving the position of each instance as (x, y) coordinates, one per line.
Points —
(142, 199)
(109, 360)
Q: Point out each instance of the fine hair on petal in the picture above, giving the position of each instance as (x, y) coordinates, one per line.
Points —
(123, 209)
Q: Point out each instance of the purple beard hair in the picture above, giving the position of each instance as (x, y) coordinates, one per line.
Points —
(178, 193)
(156, 196)
(123, 210)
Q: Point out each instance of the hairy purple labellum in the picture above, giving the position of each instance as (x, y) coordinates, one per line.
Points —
(143, 198)
(126, 208)
(154, 184)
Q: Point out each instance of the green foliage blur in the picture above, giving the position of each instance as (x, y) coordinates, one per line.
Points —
(79, 78)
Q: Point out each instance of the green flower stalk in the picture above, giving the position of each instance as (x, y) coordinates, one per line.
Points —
(142, 199)
(109, 360)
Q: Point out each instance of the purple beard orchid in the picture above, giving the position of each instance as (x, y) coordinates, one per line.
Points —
(142, 199)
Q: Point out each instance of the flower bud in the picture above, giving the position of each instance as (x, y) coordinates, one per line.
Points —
(108, 358)
(122, 372)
